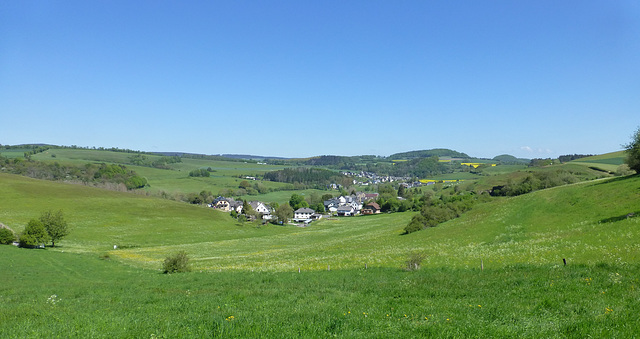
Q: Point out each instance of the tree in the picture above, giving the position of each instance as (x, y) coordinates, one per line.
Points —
(401, 191)
(633, 152)
(318, 207)
(244, 184)
(283, 213)
(55, 225)
(297, 201)
(34, 234)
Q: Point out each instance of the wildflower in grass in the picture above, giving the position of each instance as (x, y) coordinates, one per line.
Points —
(53, 299)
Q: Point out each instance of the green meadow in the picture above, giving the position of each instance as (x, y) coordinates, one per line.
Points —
(54, 294)
(497, 271)
(607, 162)
(176, 179)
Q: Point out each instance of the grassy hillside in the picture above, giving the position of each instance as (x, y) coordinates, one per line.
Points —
(176, 179)
(52, 294)
(607, 162)
(583, 223)
(246, 282)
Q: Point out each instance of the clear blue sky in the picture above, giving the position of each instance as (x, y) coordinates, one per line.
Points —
(303, 78)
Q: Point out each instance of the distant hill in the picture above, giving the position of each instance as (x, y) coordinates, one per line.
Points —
(439, 152)
(510, 159)
(227, 156)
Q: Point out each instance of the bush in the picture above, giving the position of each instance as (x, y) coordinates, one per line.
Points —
(176, 263)
(414, 261)
(200, 173)
(6, 236)
(34, 235)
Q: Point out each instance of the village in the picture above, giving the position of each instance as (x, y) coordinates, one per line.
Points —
(359, 203)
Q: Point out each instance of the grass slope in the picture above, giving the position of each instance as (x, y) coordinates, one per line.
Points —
(583, 223)
(523, 291)
(51, 294)
(608, 162)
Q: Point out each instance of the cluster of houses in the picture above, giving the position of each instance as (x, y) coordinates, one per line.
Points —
(229, 204)
(344, 206)
(370, 178)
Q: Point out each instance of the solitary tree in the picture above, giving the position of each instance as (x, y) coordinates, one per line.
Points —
(55, 225)
(633, 152)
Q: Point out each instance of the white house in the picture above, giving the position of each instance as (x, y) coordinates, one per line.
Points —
(346, 211)
(303, 214)
(261, 208)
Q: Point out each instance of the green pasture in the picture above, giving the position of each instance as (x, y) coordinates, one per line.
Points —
(176, 180)
(497, 271)
(14, 152)
(54, 294)
(583, 223)
(608, 162)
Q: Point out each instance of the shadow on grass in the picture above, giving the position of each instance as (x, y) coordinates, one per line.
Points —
(616, 179)
(621, 217)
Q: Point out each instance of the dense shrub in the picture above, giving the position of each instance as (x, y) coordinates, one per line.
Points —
(176, 263)
(6, 236)
(535, 181)
(439, 211)
(199, 173)
(34, 235)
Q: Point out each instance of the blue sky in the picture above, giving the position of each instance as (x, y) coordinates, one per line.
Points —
(304, 78)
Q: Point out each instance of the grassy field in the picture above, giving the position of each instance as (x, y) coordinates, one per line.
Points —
(497, 271)
(176, 180)
(577, 222)
(54, 294)
(607, 162)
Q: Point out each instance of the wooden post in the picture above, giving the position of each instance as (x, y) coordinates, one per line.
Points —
(328, 267)
(298, 269)
(481, 265)
(564, 261)
(365, 266)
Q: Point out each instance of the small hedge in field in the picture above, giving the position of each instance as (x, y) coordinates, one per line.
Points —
(176, 263)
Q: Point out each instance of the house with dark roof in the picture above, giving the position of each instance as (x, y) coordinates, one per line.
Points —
(372, 208)
(346, 211)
